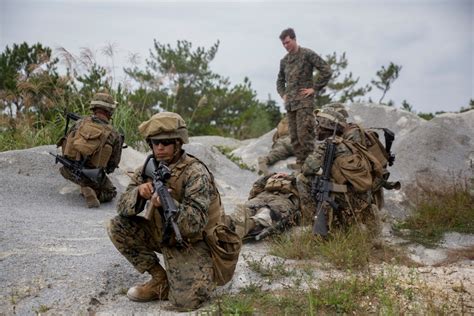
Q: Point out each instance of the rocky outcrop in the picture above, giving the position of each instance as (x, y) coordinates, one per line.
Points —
(55, 253)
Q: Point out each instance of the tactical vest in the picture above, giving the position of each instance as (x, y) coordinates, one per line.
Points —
(280, 185)
(176, 184)
(89, 141)
(224, 244)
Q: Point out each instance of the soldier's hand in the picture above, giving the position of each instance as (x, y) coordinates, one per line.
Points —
(306, 92)
(145, 190)
(155, 200)
(284, 98)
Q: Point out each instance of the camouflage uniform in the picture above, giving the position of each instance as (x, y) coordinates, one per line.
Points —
(105, 191)
(353, 206)
(273, 204)
(281, 148)
(296, 72)
(190, 275)
(189, 269)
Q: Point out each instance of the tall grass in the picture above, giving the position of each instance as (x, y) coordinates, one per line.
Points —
(343, 249)
(26, 132)
(447, 208)
(387, 293)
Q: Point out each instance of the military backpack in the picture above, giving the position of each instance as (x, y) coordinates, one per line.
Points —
(89, 141)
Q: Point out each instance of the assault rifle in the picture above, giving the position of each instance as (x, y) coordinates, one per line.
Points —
(78, 170)
(160, 173)
(321, 188)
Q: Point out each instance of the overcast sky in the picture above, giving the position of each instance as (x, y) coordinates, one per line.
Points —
(431, 40)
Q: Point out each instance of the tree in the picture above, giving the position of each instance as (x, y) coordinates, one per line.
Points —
(29, 81)
(386, 77)
(470, 107)
(426, 116)
(406, 106)
(178, 78)
(340, 90)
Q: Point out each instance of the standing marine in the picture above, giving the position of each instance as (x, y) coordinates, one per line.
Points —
(297, 88)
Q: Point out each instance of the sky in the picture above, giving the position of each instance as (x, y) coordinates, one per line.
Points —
(433, 40)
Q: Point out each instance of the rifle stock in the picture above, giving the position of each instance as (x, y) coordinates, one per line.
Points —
(95, 175)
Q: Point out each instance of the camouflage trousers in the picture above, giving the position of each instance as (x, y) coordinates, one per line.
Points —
(105, 191)
(301, 125)
(265, 210)
(189, 270)
(281, 149)
(354, 208)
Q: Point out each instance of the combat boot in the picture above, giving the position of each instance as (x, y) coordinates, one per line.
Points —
(155, 289)
(90, 196)
(262, 165)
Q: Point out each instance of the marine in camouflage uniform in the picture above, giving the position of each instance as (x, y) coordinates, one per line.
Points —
(272, 206)
(188, 280)
(354, 206)
(102, 106)
(281, 148)
(296, 86)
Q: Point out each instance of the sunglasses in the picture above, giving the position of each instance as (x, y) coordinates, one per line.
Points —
(164, 142)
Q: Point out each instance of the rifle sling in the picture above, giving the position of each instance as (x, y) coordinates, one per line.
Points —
(340, 188)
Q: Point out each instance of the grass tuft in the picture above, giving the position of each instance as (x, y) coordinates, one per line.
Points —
(438, 211)
(227, 151)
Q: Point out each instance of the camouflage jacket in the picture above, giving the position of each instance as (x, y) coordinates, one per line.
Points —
(296, 72)
(114, 139)
(192, 189)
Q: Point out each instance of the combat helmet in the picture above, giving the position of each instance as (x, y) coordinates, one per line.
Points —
(338, 107)
(103, 100)
(331, 115)
(165, 125)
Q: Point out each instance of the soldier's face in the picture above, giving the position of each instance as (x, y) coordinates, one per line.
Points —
(163, 149)
(289, 44)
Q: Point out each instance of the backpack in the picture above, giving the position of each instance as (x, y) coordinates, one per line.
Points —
(89, 141)
(368, 161)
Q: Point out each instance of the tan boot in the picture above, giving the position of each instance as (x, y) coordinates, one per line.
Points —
(262, 166)
(155, 289)
(90, 196)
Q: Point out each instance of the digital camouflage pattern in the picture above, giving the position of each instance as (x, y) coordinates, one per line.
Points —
(302, 126)
(354, 206)
(189, 269)
(105, 191)
(296, 72)
(272, 199)
(281, 149)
